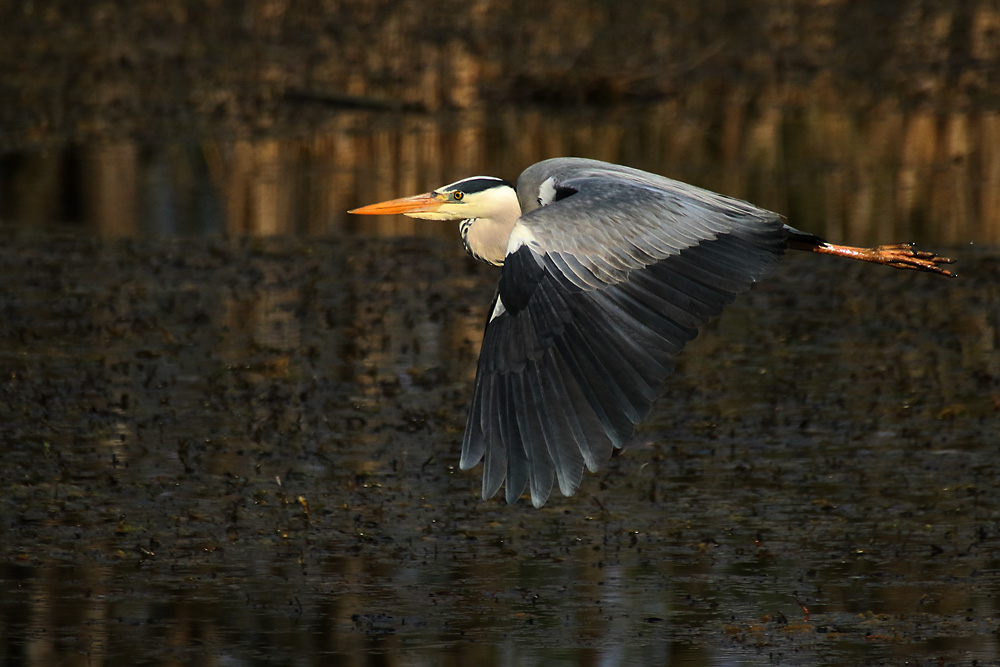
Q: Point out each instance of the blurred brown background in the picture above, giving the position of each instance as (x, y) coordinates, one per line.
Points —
(866, 122)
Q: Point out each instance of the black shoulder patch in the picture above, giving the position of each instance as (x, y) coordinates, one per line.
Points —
(562, 192)
(518, 279)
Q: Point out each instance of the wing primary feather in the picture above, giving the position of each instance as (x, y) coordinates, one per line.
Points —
(715, 275)
(611, 332)
(586, 433)
(589, 376)
(486, 420)
(529, 425)
(495, 464)
(637, 332)
(565, 450)
(512, 436)
(474, 441)
(592, 377)
(541, 475)
(703, 301)
(587, 337)
(658, 315)
(596, 445)
(669, 301)
(665, 336)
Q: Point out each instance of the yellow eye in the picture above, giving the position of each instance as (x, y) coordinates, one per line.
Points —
(457, 196)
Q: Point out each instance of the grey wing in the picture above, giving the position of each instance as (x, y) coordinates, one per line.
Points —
(599, 292)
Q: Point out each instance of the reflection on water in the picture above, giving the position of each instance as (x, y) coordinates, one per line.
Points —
(879, 176)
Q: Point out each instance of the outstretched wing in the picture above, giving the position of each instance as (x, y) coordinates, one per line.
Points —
(601, 288)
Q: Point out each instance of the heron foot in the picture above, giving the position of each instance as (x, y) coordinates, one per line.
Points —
(904, 256)
(898, 255)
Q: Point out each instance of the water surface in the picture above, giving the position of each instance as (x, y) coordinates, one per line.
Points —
(247, 450)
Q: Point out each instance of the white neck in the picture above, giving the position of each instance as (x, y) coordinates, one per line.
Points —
(486, 237)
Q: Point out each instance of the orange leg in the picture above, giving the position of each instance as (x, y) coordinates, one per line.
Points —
(899, 255)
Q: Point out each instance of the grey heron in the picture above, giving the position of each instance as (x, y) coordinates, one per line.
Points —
(607, 272)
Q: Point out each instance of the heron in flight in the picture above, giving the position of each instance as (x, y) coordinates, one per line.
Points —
(607, 272)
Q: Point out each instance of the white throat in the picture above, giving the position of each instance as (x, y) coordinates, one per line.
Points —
(485, 236)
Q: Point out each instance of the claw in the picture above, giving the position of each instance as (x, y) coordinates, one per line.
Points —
(903, 256)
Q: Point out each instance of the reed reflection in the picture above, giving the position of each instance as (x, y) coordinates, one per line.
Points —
(856, 177)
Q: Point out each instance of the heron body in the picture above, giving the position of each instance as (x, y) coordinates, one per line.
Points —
(607, 271)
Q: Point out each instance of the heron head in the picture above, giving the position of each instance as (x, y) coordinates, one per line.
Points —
(475, 197)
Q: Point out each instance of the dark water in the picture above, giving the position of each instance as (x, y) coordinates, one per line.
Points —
(245, 451)
(230, 415)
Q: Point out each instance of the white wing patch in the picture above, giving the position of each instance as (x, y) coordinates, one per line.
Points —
(547, 191)
(498, 309)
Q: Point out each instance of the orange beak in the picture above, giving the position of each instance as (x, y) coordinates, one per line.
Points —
(424, 203)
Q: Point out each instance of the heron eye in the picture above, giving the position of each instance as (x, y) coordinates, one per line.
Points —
(457, 196)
